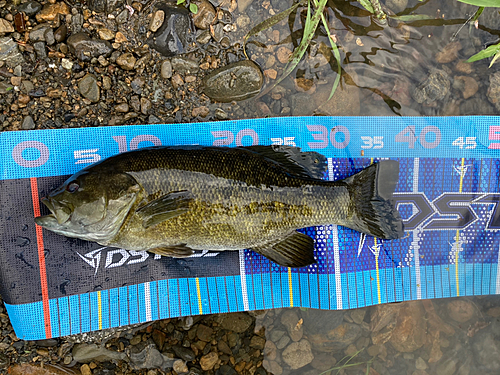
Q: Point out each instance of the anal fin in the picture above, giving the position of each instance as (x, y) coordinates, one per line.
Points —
(296, 250)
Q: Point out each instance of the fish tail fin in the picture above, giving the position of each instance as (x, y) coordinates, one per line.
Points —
(371, 193)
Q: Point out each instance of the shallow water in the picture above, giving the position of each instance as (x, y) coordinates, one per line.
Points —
(409, 69)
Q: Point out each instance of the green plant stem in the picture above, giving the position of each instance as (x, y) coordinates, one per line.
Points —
(379, 13)
(335, 50)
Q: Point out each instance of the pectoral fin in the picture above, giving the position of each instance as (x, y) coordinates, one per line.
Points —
(164, 208)
(296, 250)
(177, 251)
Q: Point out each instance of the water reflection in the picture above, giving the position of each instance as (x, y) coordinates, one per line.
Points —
(402, 68)
(442, 337)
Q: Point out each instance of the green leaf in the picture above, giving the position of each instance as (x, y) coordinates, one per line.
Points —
(179, 2)
(411, 17)
(477, 14)
(193, 8)
(497, 55)
(367, 5)
(482, 3)
(485, 53)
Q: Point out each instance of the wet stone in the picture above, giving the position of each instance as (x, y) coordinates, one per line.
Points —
(30, 8)
(86, 48)
(236, 81)
(290, 320)
(180, 367)
(208, 361)
(145, 106)
(126, 61)
(257, 342)
(460, 310)
(88, 88)
(236, 322)
(298, 354)
(40, 50)
(205, 16)
(5, 87)
(283, 341)
(37, 34)
(166, 69)
(184, 353)
(157, 20)
(28, 123)
(6, 26)
(184, 66)
(50, 11)
(204, 333)
(152, 119)
(225, 370)
(60, 33)
(172, 38)
(276, 334)
(435, 87)
(9, 52)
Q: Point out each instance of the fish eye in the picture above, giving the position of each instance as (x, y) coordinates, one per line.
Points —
(72, 187)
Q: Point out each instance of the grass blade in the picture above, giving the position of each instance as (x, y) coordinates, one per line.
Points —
(485, 53)
(483, 3)
(268, 23)
(367, 5)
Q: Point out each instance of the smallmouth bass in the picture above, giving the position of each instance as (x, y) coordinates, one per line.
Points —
(173, 200)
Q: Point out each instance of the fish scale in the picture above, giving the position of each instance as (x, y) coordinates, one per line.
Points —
(173, 200)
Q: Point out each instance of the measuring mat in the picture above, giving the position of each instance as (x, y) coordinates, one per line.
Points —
(448, 196)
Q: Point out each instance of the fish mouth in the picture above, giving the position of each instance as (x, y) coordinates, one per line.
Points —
(60, 214)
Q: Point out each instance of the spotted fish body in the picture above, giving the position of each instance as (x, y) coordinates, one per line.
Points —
(173, 200)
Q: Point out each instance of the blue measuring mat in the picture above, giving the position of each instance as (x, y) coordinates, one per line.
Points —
(448, 196)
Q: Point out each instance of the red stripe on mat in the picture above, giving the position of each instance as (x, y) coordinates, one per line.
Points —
(41, 259)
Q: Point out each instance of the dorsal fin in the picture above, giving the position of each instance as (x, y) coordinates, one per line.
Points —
(297, 163)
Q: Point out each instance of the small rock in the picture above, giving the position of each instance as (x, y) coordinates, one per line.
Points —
(30, 8)
(467, 85)
(149, 357)
(66, 64)
(16, 81)
(6, 26)
(283, 341)
(40, 49)
(28, 123)
(123, 108)
(5, 87)
(50, 11)
(9, 52)
(172, 38)
(226, 370)
(236, 322)
(257, 342)
(420, 364)
(184, 353)
(494, 312)
(435, 87)
(236, 81)
(283, 54)
(126, 61)
(145, 106)
(157, 20)
(220, 114)
(463, 67)
(202, 111)
(205, 16)
(184, 66)
(29, 369)
(271, 73)
(86, 353)
(243, 21)
(85, 369)
(37, 34)
(106, 34)
(272, 366)
(449, 53)
(298, 354)
(60, 33)
(177, 81)
(166, 69)
(270, 350)
(460, 310)
(120, 38)
(86, 48)
(358, 315)
(290, 320)
(447, 367)
(135, 102)
(208, 361)
(323, 361)
(106, 83)
(204, 333)
(276, 334)
(180, 367)
(409, 333)
(88, 88)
